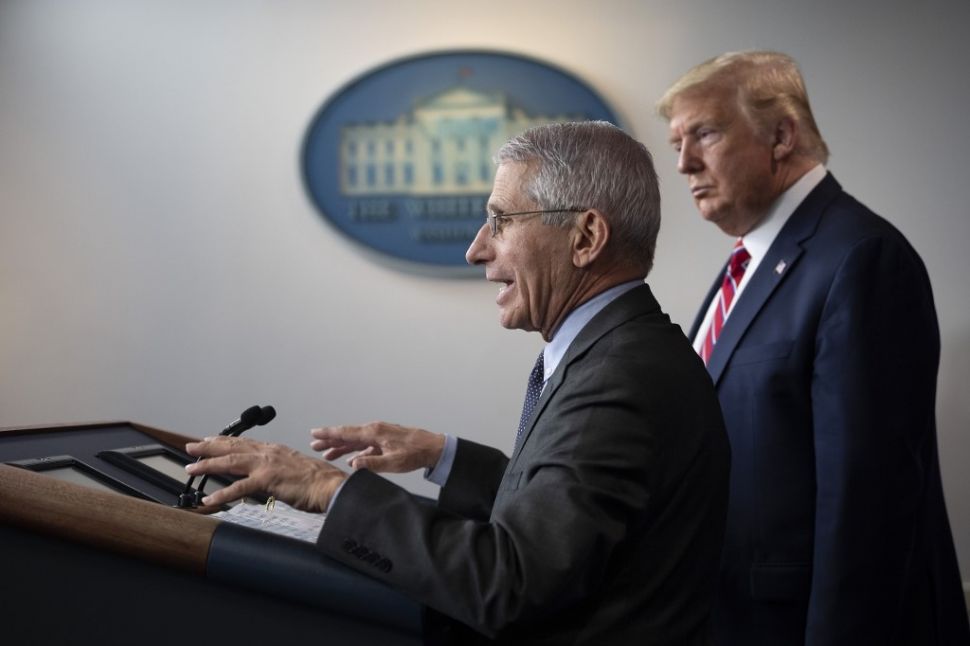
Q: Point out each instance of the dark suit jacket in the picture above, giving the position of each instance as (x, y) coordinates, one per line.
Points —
(826, 371)
(604, 527)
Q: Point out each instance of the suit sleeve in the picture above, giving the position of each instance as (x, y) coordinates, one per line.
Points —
(542, 552)
(474, 480)
(873, 405)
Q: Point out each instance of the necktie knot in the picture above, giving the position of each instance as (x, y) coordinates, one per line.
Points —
(739, 259)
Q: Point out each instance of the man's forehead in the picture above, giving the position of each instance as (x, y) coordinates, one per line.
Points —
(516, 170)
(511, 181)
(702, 103)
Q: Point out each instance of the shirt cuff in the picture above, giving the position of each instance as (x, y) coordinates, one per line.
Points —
(439, 474)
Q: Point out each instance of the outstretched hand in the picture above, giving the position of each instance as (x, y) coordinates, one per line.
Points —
(288, 475)
(379, 446)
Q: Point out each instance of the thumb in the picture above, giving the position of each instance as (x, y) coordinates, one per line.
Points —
(369, 462)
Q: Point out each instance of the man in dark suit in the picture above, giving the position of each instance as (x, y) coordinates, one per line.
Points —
(605, 525)
(822, 340)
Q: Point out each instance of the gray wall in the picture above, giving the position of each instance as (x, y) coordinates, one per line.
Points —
(160, 262)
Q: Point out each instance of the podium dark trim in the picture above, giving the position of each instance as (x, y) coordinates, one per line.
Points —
(81, 564)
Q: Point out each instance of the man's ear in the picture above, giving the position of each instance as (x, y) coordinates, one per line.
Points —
(784, 139)
(590, 235)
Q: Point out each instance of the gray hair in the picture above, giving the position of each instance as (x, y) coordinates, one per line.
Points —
(593, 165)
(770, 88)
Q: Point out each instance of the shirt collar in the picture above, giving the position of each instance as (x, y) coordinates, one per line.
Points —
(758, 240)
(575, 321)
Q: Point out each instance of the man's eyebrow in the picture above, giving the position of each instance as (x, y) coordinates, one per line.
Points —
(493, 209)
(689, 129)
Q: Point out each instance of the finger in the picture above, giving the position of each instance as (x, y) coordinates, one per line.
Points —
(198, 448)
(236, 491)
(234, 463)
(362, 435)
(216, 446)
(328, 444)
(341, 439)
(334, 453)
(323, 445)
(336, 434)
(363, 462)
(370, 450)
(376, 463)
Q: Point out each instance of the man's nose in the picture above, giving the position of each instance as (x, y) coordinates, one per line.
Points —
(480, 248)
(688, 161)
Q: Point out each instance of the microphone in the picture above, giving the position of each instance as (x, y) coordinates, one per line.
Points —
(252, 416)
(246, 420)
(263, 415)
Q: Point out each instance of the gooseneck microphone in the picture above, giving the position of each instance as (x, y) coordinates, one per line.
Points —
(252, 416)
(246, 420)
(266, 415)
(263, 416)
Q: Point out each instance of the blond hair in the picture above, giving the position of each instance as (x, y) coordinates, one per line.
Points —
(770, 87)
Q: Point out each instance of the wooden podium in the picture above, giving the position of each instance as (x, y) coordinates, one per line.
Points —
(84, 564)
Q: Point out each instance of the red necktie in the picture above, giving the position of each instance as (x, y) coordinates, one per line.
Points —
(729, 287)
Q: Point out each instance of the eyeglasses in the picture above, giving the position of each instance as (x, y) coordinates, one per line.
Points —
(493, 218)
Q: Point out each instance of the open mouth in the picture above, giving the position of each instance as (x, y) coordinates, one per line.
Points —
(503, 286)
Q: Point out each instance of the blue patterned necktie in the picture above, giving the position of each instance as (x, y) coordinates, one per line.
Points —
(532, 392)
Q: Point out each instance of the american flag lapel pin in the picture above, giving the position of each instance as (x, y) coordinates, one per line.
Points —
(780, 267)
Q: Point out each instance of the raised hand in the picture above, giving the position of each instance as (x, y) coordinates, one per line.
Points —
(380, 446)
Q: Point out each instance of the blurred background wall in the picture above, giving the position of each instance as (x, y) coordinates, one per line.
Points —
(160, 261)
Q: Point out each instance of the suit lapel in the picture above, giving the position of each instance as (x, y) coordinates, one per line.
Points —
(636, 302)
(777, 264)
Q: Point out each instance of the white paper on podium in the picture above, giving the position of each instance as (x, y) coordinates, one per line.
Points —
(279, 518)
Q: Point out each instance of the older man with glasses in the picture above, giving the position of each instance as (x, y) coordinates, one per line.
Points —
(605, 524)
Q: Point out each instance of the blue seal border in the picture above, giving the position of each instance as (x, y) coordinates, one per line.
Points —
(384, 95)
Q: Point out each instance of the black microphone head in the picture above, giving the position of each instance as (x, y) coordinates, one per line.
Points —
(251, 416)
(247, 419)
(266, 415)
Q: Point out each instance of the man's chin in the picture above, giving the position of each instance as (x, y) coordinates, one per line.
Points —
(506, 320)
(511, 322)
(709, 213)
(722, 221)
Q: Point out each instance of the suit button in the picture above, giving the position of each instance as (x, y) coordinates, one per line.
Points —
(384, 565)
(349, 545)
